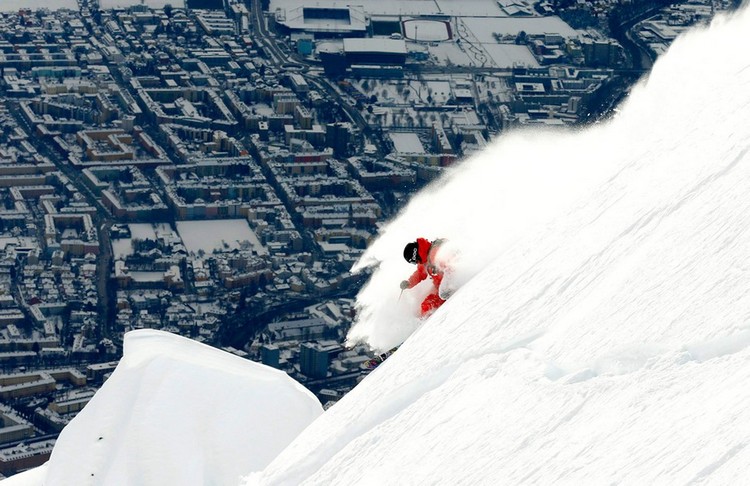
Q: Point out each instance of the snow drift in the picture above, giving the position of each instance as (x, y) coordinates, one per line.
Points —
(177, 412)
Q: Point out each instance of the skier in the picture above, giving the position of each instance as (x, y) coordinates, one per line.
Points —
(422, 253)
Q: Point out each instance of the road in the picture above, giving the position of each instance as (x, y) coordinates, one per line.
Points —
(103, 219)
(621, 27)
(263, 37)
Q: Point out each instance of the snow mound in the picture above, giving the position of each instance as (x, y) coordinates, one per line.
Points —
(179, 412)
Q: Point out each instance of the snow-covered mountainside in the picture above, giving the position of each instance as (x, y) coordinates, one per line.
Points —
(606, 335)
(600, 332)
(177, 412)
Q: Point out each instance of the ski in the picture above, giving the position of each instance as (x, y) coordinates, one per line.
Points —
(374, 362)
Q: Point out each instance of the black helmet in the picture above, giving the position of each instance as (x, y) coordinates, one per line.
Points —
(411, 252)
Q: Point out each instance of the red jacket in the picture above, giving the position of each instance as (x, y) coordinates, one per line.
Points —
(427, 266)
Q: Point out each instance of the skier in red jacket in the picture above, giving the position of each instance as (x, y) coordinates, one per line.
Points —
(422, 253)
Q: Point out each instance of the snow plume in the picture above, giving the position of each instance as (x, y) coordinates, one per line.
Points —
(479, 207)
(529, 177)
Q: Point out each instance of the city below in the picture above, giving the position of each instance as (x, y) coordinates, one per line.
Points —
(214, 169)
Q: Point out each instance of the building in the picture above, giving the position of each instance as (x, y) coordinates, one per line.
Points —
(25, 384)
(25, 456)
(604, 53)
(338, 137)
(300, 329)
(378, 54)
(313, 360)
(74, 234)
(378, 51)
(13, 427)
(322, 21)
(270, 355)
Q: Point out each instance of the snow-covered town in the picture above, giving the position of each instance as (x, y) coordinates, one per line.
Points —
(216, 168)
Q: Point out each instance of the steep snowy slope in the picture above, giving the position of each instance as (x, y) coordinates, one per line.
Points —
(607, 340)
(177, 412)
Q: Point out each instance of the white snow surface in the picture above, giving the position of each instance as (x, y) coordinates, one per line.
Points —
(177, 412)
(600, 332)
(218, 234)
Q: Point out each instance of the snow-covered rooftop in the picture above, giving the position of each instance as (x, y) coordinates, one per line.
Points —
(393, 46)
(296, 16)
(218, 234)
(406, 142)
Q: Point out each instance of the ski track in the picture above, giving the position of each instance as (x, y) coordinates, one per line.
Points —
(706, 472)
